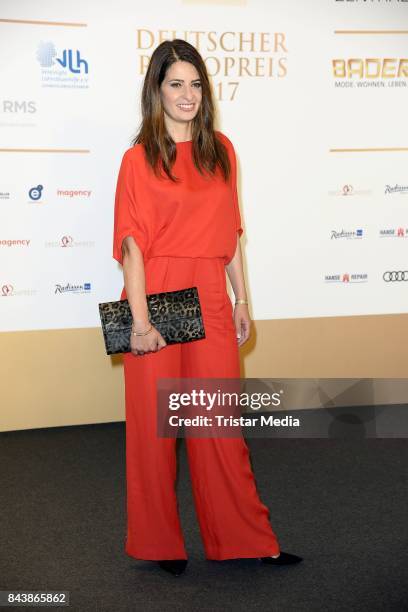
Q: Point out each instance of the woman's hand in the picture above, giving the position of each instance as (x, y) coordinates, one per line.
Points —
(150, 343)
(242, 323)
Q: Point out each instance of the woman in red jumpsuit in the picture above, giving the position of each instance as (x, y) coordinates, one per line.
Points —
(172, 234)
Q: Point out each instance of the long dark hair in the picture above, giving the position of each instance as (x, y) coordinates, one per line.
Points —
(160, 148)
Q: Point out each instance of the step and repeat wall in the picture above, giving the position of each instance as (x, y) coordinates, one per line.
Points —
(312, 95)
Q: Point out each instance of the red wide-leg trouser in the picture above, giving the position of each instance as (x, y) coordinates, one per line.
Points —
(233, 522)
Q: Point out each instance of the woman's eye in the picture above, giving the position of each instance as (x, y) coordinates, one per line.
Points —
(179, 84)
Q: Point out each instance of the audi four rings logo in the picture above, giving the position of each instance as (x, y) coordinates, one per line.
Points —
(391, 277)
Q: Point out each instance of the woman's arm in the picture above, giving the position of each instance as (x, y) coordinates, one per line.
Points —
(134, 280)
(235, 273)
(135, 286)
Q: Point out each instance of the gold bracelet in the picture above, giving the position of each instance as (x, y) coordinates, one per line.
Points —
(142, 333)
(241, 301)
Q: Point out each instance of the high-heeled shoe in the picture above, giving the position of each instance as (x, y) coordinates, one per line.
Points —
(173, 566)
(283, 559)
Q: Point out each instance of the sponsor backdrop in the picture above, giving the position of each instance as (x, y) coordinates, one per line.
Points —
(311, 94)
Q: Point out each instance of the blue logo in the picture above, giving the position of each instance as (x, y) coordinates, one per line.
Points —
(46, 53)
(66, 62)
(359, 232)
(35, 193)
(64, 68)
(87, 286)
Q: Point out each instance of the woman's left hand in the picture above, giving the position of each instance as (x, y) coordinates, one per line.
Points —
(242, 323)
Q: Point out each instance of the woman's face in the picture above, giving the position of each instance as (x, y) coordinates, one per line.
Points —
(181, 92)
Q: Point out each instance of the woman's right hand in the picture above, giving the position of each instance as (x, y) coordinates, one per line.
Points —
(150, 343)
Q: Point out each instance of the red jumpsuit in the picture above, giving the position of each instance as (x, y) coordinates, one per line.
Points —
(187, 233)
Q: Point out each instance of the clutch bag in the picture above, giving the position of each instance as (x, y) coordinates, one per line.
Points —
(175, 314)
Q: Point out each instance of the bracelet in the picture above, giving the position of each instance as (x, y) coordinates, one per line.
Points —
(241, 301)
(142, 333)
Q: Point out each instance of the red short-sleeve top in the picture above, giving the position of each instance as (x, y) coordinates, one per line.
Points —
(196, 217)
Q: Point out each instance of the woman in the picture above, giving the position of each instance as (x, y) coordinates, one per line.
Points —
(177, 224)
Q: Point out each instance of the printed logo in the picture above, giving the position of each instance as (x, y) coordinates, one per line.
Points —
(16, 106)
(74, 193)
(68, 288)
(35, 193)
(10, 291)
(349, 235)
(7, 290)
(396, 189)
(395, 276)
(68, 69)
(349, 190)
(346, 278)
(46, 53)
(11, 243)
(374, 72)
(400, 232)
(69, 242)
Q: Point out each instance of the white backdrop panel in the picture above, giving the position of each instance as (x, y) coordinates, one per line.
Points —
(283, 127)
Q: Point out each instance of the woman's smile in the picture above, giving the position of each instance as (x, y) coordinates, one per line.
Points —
(186, 107)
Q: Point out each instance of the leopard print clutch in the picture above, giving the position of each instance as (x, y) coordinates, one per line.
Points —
(175, 314)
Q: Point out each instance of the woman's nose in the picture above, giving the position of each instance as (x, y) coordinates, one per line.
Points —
(188, 93)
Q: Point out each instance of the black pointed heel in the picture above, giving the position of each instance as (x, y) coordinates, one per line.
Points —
(283, 559)
(173, 566)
